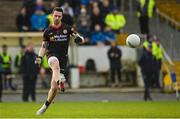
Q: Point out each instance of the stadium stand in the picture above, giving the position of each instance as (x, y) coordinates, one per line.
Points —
(169, 10)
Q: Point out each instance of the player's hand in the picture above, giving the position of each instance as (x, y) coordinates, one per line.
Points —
(78, 38)
(38, 60)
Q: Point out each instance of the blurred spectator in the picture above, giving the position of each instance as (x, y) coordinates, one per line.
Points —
(83, 17)
(115, 20)
(97, 37)
(85, 31)
(1, 85)
(154, 81)
(18, 58)
(30, 7)
(117, 2)
(158, 55)
(39, 20)
(49, 19)
(94, 4)
(146, 64)
(114, 55)
(83, 24)
(147, 41)
(50, 9)
(154, 50)
(60, 2)
(105, 8)
(40, 5)
(109, 35)
(96, 18)
(53, 4)
(159, 59)
(22, 21)
(6, 68)
(67, 18)
(145, 10)
(85, 2)
(68, 9)
(29, 73)
(75, 4)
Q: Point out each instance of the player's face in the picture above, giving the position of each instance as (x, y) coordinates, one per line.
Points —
(57, 16)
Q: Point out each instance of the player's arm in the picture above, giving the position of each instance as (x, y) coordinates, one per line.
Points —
(42, 50)
(77, 37)
(41, 53)
(44, 45)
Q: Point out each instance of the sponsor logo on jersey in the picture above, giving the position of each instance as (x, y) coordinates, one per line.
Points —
(60, 37)
(65, 31)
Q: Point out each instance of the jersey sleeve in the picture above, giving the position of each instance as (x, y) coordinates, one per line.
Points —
(46, 35)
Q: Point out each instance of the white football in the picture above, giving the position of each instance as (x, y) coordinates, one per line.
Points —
(133, 41)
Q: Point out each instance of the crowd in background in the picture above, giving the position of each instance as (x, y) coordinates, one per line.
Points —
(97, 20)
(24, 62)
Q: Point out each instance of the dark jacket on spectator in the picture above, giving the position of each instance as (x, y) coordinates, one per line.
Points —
(114, 55)
(29, 71)
(23, 21)
(96, 19)
(28, 65)
(146, 62)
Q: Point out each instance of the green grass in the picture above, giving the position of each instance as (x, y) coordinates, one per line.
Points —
(92, 110)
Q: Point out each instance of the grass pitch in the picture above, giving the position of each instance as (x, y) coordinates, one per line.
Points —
(92, 110)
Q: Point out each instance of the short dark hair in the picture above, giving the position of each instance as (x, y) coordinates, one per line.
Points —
(59, 9)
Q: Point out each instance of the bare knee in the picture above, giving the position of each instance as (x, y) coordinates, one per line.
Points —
(54, 64)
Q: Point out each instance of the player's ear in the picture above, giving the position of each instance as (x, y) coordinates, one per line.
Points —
(62, 16)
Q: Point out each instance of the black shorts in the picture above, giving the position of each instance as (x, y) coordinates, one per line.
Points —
(62, 61)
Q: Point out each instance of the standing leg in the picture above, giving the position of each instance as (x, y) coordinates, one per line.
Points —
(145, 87)
(5, 81)
(33, 87)
(149, 78)
(54, 64)
(11, 85)
(112, 75)
(119, 74)
(25, 88)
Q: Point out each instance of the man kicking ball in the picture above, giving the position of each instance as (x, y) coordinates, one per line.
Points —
(55, 44)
